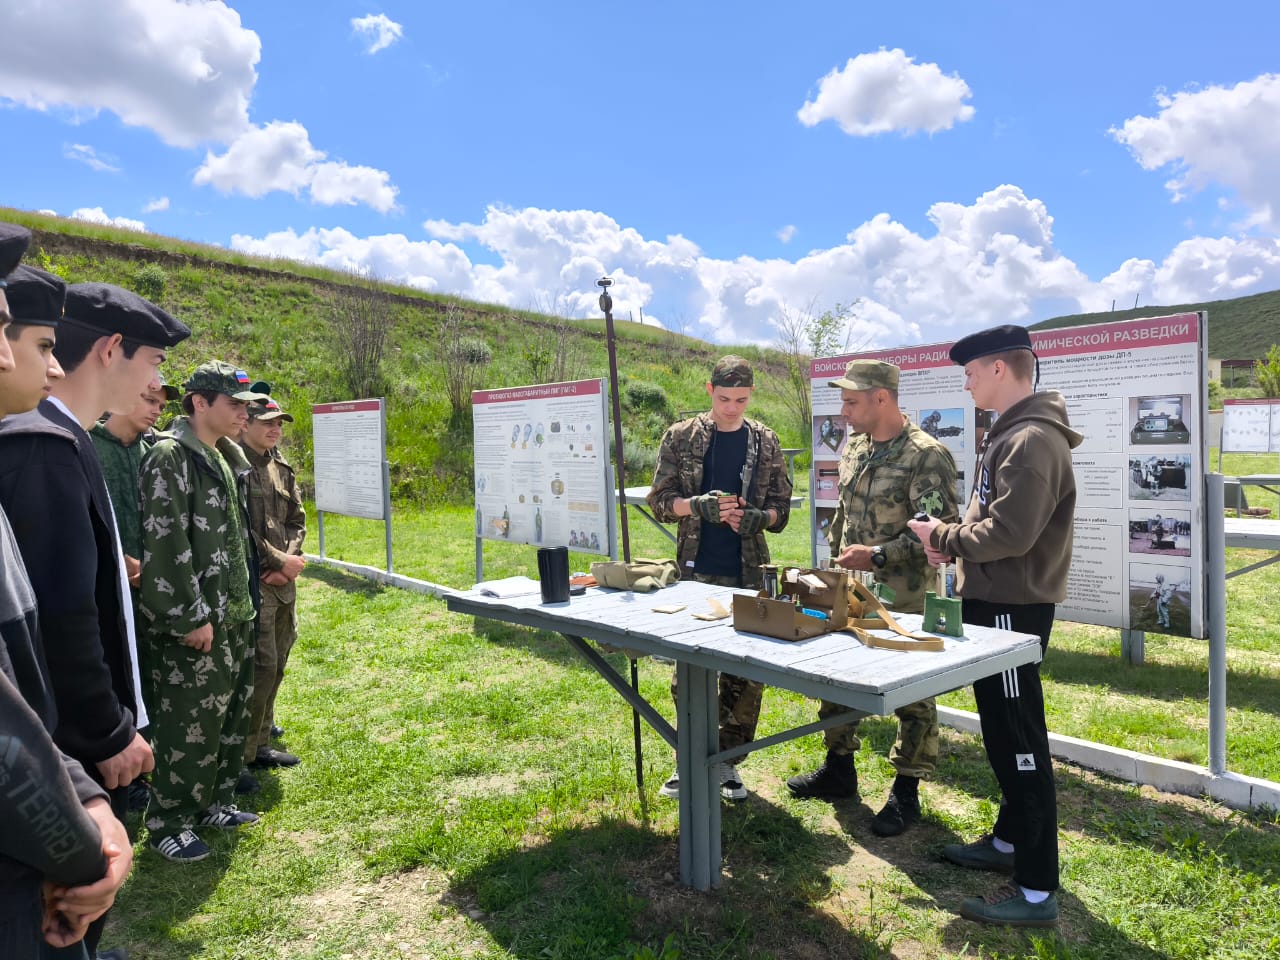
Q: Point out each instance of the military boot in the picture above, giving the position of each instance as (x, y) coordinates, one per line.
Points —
(836, 779)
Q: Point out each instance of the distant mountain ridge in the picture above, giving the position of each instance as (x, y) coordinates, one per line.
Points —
(1242, 328)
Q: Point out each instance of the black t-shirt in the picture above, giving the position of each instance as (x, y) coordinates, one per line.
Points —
(720, 549)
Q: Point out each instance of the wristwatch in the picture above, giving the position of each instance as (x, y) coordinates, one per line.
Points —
(878, 559)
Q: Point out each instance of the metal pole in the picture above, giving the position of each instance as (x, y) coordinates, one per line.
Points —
(620, 477)
(320, 520)
(1216, 584)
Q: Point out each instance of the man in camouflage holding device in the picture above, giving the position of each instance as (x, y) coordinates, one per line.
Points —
(889, 471)
(721, 539)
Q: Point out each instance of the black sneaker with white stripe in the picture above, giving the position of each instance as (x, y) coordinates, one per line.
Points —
(227, 817)
(184, 847)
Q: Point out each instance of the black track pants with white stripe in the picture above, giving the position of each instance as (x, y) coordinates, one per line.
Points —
(1011, 708)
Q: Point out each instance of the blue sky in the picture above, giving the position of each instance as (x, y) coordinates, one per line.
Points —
(947, 166)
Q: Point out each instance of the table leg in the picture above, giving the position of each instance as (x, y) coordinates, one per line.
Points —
(698, 737)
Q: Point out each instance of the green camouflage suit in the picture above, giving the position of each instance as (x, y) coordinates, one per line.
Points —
(679, 474)
(882, 486)
(198, 567)
(278, 525)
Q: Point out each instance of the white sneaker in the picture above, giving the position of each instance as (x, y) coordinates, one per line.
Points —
(731, 787)
(671, 789)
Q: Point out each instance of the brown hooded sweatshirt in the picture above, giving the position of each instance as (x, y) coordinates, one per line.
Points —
(1014, 542)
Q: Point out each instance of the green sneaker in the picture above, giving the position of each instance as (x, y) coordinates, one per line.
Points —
(1008, 906)
(979, 855)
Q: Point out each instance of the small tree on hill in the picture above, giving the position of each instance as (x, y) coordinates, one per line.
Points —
(464, 358)
(359, 325)
(802, 336)
(1267, 372)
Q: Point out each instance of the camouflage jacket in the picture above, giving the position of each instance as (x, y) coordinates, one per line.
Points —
(880, 491)
(679, 474)
(277, 521)
(121, 466)
(186, 519)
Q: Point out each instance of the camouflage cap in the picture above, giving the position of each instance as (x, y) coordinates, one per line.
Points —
(218, 377)
(171, 391)
(867, 375)
(732, 371)
(268, 410)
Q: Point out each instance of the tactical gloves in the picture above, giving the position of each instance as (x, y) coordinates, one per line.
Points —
(753, 521)
(706, 506)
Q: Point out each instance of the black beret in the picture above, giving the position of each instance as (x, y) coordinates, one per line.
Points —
(984, 343)
(35, 297)
(13, 244)
(108, 309)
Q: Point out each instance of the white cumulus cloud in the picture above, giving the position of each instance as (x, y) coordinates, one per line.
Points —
(279, 156)
(157, 205)
(787, 233)
(887, 91)
(98, 215)
(1224, 135)
(184, 70)
(83, 153)
(378, 29)
(991, 261)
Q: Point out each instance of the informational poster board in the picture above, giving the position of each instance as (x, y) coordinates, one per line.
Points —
(1251, 426)
(1136, 391)
(542, 471)
(350, 448)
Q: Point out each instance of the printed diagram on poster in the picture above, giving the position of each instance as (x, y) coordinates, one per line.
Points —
(542, 465)
(1135, 391)
(350, 444)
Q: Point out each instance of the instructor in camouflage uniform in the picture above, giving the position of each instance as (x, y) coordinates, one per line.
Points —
(723, 451)
(278, 525)
(889, 471)
(199, 595)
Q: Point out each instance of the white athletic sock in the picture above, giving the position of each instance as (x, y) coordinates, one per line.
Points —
(1002, 845)
(1034, 896)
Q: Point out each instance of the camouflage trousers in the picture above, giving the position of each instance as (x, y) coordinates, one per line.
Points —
(739, 698)
(277, 632)
(915, 754)
(199, 707)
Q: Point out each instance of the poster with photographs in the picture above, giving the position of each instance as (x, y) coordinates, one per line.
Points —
(542, 466)
(1135, 391)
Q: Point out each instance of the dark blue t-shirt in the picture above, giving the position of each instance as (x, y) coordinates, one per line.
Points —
(720, 549)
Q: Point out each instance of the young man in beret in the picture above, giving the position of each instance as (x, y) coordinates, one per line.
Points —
(199, 595)
(1013, 552)
(279, 525)
(63, 854)
(890, 470)
(722, 541)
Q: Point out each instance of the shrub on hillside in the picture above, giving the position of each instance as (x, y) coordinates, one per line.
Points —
(1215, 394)
(150, 281)
(642, 397)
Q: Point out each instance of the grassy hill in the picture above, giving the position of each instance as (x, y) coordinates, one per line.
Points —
(1239, 329)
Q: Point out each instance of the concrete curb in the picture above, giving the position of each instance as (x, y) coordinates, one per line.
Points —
(1168, 776)
(381, 576)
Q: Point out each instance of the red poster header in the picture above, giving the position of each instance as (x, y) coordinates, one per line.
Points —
(538, 391)
(350, 406)
(1091, 338)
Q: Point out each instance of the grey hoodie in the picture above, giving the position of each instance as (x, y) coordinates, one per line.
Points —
(1014, 543)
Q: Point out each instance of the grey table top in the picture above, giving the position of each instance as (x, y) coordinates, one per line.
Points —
(1257, 534)
(835, 666)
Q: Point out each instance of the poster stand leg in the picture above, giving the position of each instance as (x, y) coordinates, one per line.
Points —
(320, 531)
(1133, 646)
(1216, 585)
